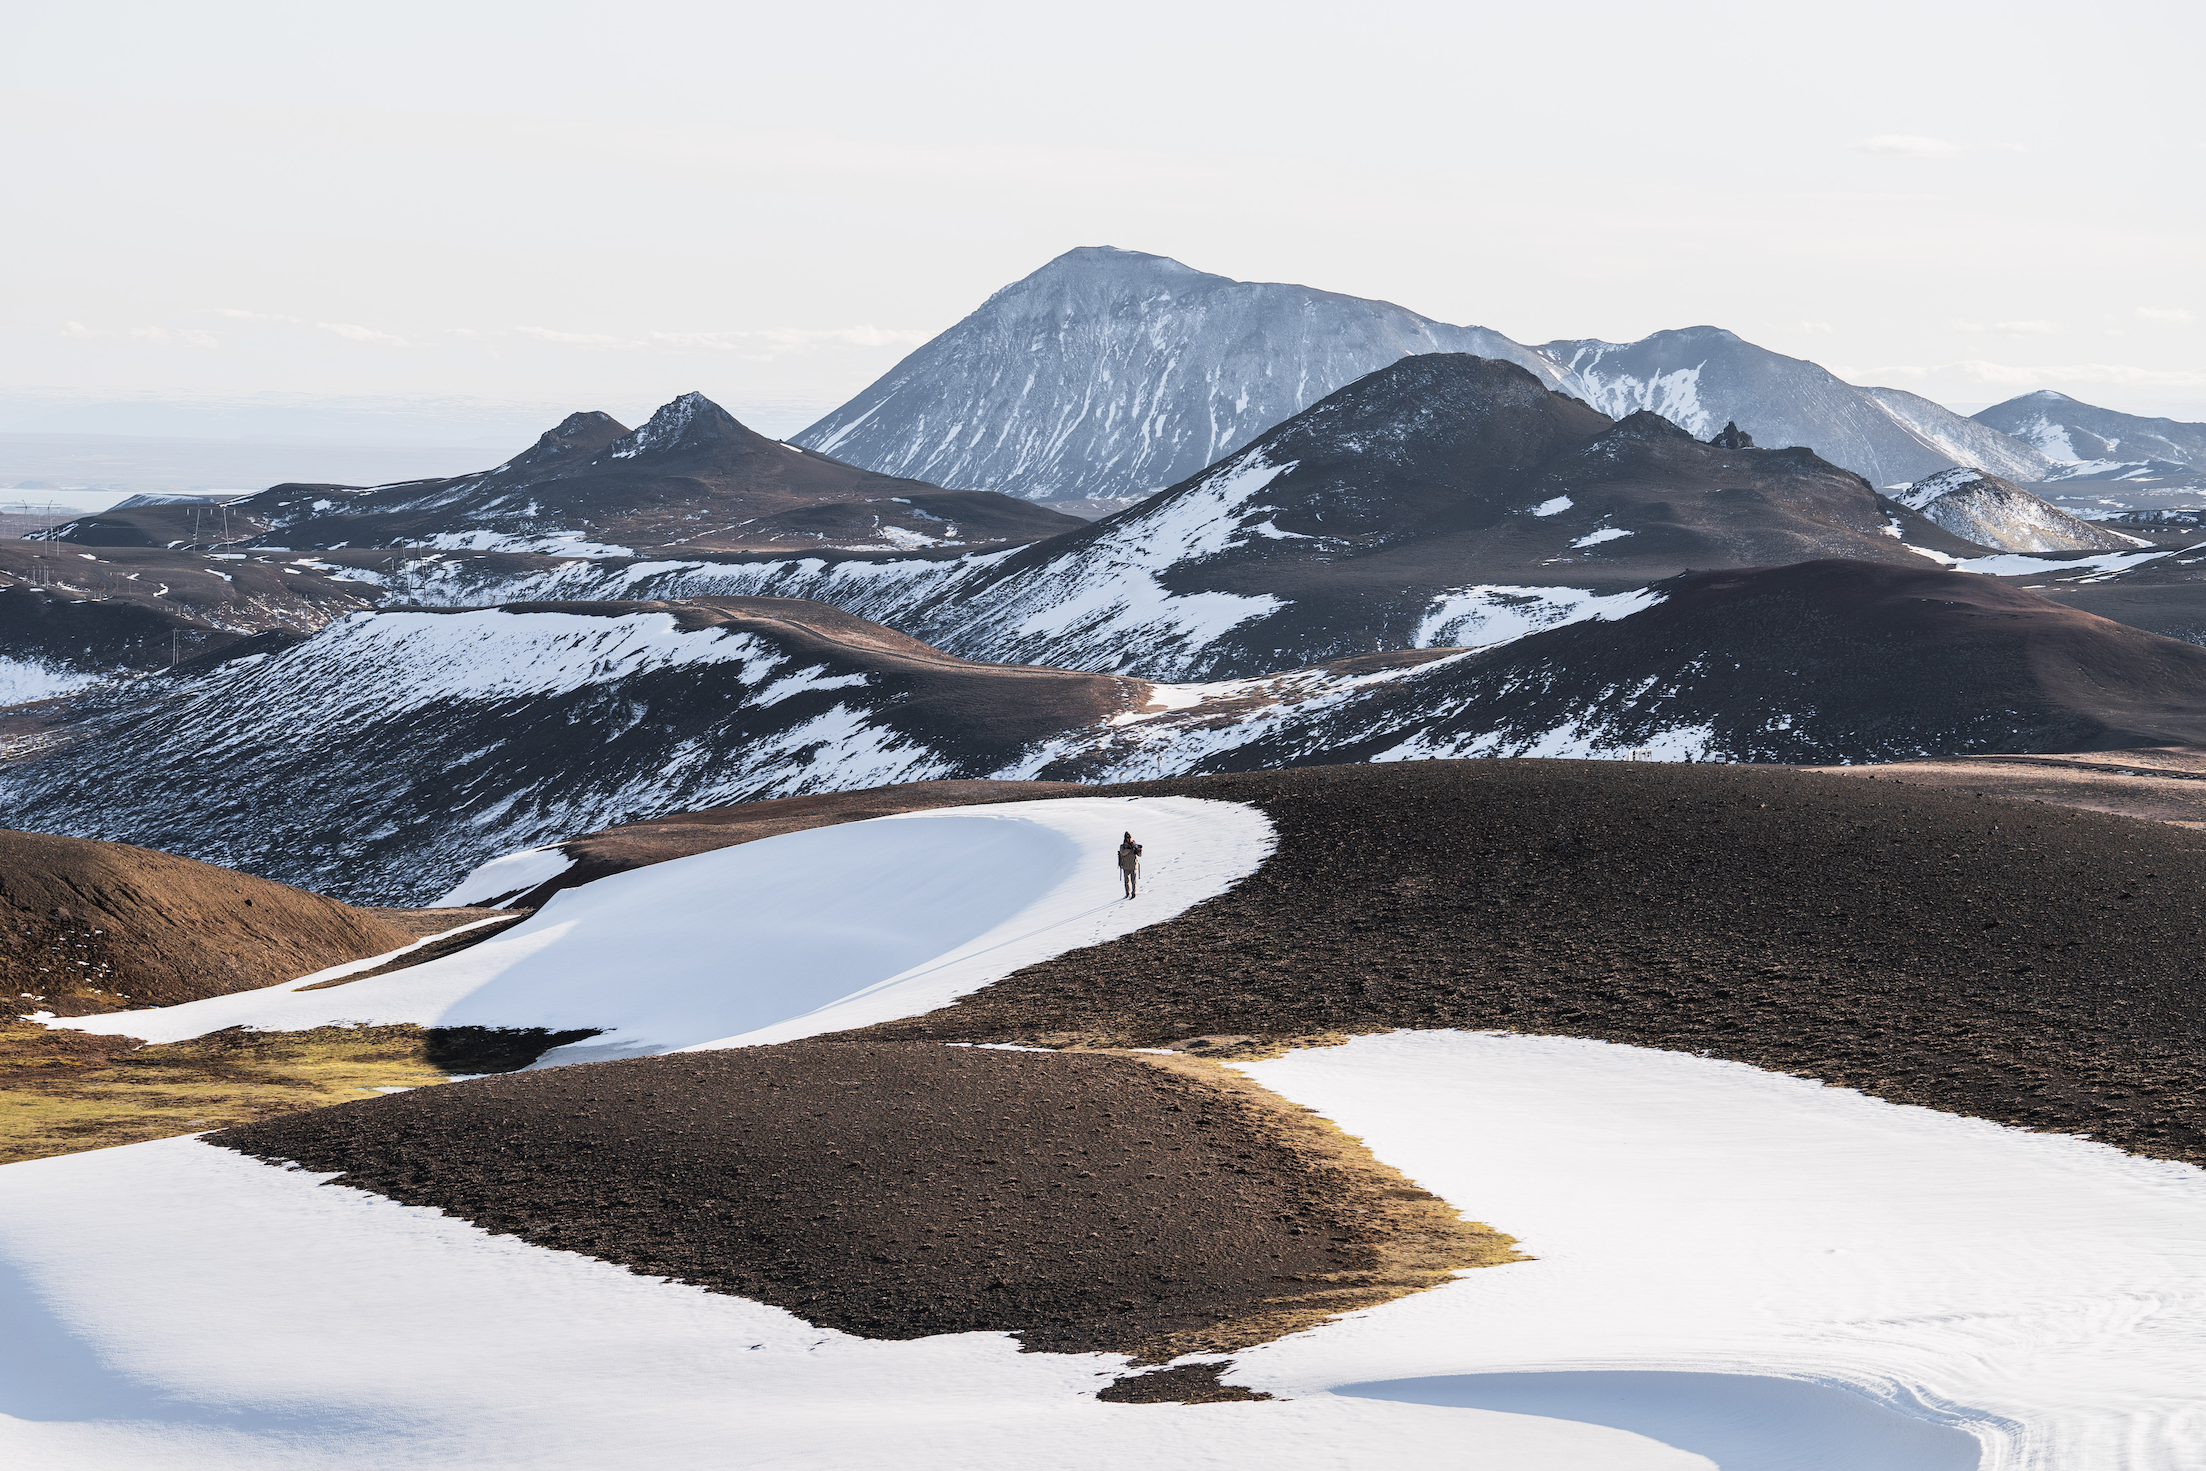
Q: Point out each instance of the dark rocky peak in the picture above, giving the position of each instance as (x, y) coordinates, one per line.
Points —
(1646, 425)
(1476, 415)
(690, 423)
(576, 438)
(1733, 437)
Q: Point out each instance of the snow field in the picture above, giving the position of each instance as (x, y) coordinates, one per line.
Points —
(1733, 1269)
(788, 936)
(1717, 1245)
(173, 1304)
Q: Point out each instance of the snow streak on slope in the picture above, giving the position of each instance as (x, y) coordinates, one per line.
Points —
(1102, 605)
(789, 936)
(1964, 441)
(1477, 617)
(1730, 1268)
(1106, 606)
(505, 877)
(1113, 373)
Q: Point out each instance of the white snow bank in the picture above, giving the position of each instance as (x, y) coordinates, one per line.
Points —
(1734, 1268)
(506, 877)
(789, 936)
(175, 1305)
(28, 679)
(1697, 1220)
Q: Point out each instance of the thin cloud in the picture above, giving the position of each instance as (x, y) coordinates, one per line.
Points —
(158, 336)
(1911, 145)
(2125, 375)
(2023, 329)
(2174, 316)
(353, 332)
(862, 336)
(569, 339)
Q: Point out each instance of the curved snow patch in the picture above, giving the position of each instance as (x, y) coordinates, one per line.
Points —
(2044, 1294)
(505, 877)
(1741, 1422)
(790, 936)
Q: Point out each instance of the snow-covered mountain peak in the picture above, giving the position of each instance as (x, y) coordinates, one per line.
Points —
(1113, 373)
(1996, 513)
(2079, 435)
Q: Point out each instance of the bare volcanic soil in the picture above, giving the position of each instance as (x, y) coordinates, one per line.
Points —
(2012, 961)
(893, 1190)
(90, 927)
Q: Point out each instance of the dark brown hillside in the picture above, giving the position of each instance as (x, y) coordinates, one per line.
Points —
(1811, 663)
(90, 927)
(693, 476)
(100, 609)
(2014, 961)
(892, 1190)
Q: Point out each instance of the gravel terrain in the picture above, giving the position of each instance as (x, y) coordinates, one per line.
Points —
(891, 1190)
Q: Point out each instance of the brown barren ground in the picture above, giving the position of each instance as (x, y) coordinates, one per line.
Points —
(88, 927)
(1086, 1201)
(2014, 961)
(2154, 785)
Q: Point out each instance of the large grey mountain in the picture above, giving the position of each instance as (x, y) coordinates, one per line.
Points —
(1699, 378)
(1110, 373)
(2064, 430)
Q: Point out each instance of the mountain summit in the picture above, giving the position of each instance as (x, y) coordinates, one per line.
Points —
(1112, 373)
(692, 476)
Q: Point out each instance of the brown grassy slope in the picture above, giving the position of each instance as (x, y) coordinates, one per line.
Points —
(2012, 961)
(89, 927)
(62, 1091)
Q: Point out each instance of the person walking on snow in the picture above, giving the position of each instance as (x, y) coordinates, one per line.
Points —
(1129, 864)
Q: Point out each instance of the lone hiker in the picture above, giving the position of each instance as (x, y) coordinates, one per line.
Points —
(1129, 864)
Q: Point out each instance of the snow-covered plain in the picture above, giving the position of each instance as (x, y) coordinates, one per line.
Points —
(788, 936)
(1733, 1269)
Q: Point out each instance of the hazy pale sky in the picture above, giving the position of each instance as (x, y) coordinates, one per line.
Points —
(490, 211)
